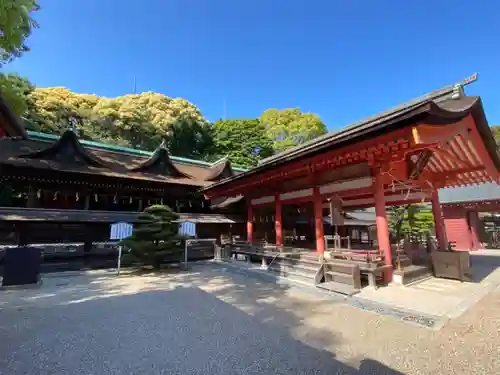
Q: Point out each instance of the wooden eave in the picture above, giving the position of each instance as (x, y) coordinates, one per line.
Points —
(462, 153)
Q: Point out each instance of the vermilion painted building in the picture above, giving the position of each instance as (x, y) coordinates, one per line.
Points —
(400, 156)
(461, 209)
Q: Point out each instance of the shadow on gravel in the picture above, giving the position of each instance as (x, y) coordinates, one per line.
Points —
(483, 265)
(203, 323)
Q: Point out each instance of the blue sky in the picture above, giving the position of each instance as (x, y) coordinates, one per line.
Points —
(344, 60)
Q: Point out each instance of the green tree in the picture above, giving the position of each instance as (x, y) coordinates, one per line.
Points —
(138, 120)
(190, 139)
(495, 130)
(16, 23)
(243, 140)
(155, 236)
(51, 108)
(16, 90)
(290, 127)
(412, 219)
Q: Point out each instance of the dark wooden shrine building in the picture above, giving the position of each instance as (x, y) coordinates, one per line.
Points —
(64, 189)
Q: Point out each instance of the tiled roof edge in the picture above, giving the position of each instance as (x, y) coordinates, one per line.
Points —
(129, 150)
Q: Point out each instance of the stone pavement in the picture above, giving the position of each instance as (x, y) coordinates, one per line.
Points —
(214, 321)
(442, 297)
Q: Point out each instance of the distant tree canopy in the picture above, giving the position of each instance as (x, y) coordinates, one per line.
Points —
(138, 120)
(290, 127)
(243, 140)
(144, 120)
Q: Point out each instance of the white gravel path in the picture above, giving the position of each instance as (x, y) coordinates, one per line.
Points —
(213, 322)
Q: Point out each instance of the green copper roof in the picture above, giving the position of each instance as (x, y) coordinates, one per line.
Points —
(128, 150)
(483, 192)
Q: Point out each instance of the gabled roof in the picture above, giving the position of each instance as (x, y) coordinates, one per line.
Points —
(67, 148)
(160, 163)
(33, 135)
(220, 169)
(70, 154)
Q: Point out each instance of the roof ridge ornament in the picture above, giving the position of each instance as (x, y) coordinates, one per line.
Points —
(72, 125)
(458, 88)
(163, 144)
(458, 91)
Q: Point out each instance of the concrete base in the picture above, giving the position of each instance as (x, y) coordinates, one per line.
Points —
(397, 279)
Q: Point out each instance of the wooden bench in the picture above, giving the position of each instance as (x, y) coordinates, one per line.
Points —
(341, 277)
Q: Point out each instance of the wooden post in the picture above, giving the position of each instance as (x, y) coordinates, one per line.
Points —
(278, 221)
(318, 221)
(32, 199)
(382, 226)
(249, 222)
(439, 221)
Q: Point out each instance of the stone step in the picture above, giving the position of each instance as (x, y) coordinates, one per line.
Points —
(340, 288)
(303, 255)
(296, 269)
(340, 277)
(314, 261)
(292, 275)
(413, 273)
(302, 262)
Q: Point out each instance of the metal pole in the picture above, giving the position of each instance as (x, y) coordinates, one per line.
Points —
(119, 259)
(186, 254)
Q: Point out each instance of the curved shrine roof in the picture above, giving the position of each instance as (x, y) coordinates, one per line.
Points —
(446, 106)
(68, 153)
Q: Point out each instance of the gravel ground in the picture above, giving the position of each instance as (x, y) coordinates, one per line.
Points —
(214, 321)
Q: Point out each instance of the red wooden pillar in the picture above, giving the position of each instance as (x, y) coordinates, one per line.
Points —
(439, 220)
(249, 222)
(278, 227)
(382, 226)
(318, 221)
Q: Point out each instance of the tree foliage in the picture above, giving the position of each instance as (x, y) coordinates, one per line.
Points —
(290, 127)
(412, 219)
(16, 23)
(15, 90)
(243, 140)
(138, 120)
(155, 236)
